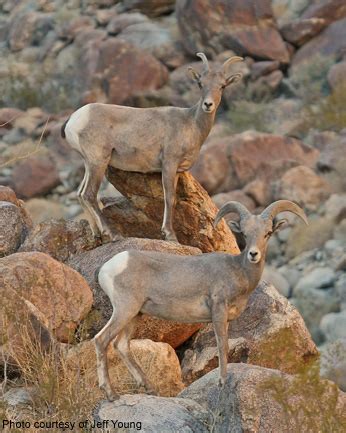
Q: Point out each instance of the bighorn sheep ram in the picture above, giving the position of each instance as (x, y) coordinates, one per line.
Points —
(160, 139)
(213, 287)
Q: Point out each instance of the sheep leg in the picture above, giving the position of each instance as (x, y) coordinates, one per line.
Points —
(88, 197)
(122, 345)
(220, 324)
(113, 327)
(169, 183)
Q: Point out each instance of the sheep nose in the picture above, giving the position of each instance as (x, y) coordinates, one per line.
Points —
(253, 254)
(208, 105)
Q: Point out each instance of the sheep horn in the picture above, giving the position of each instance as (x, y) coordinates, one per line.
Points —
(231, 60)
(275, 208)
(205, 61)
(231, 206)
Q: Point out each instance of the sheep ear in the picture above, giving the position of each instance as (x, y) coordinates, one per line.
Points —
(194, 75)
(279, 224)
(234, 78)
(235, 227)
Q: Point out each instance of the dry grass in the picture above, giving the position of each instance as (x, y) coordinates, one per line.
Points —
(58, 392)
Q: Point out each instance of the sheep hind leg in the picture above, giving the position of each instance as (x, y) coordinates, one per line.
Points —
(88, 197)
(112, 329)
(122, 345)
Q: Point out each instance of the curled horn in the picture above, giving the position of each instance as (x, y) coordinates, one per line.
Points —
(204, 60)
(275, 208)
(231, 206)
(231, 60)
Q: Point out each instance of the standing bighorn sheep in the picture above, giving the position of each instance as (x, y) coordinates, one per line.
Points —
(160, 139)
(212, 287)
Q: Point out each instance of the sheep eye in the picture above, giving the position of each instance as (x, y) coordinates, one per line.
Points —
(268, 234)
(200, 85)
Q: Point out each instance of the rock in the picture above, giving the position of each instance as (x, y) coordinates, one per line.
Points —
(258, 190)
(301, 185)
(275, 337)
(258, 69)
(275, 278)
(18, 396)
(89, 263)
(11, 228)
(150, 37)
(237, 195)
(120, 69)
(158, 361)
(60, 239)
(253, 394)
(335, 206)
(8, 195)
(313, 304)
(8, 116)
(120, 22)
(288, 10)
(216, 25)
(318, 278)
(231, 162)
(332, 161)
(154, 414)
(333, 326)
(337, 76)
(57, 292)
(340, 231)
(306, 238)
(28, 28)
(329, 10)
(42, 209)
(329, 43)
(37, 175)
(300, 31)
(333, 362)
(141, 214)
(154, 8)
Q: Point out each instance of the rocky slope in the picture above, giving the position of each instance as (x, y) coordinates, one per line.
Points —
(279, 133)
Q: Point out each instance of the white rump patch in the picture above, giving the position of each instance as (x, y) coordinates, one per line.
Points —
(75, 125)
(115, 266)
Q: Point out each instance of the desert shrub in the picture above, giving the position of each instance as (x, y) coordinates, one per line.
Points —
(43, 88)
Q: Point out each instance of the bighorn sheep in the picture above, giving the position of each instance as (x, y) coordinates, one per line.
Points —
(160, 139)
(213, 287)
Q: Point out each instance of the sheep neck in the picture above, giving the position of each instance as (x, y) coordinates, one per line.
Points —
(204, 121)
(252, 271)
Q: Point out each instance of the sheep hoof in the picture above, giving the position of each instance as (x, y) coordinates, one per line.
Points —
(171, 237)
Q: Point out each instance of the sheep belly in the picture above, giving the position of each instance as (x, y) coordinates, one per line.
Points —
(190, 311)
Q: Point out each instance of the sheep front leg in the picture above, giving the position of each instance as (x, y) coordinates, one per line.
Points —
(220, 324)
(169, 183)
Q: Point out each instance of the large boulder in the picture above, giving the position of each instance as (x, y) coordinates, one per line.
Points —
(141, 213)
(330, 43)
(158, 361)
(60, 238)
(261, 400)
(303, 186)
(58, 293)
(214, 26)
(88, 264)
(270, 333)
(37, 175)
(117, 70)
(15, 222)
(153, 414)
(28, 28)
(231, 162)
(11, 228)
(153, 8)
